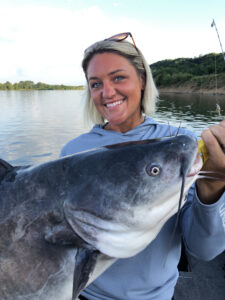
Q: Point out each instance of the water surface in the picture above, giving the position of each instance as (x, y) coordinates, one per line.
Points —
(34, 125)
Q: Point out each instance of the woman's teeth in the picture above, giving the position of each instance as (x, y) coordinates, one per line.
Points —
(114, 103)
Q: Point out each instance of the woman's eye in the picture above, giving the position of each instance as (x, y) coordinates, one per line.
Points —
(153, 169)
(119, 78)
(95, 85)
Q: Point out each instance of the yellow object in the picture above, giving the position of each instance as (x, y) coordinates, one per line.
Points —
(203, 151)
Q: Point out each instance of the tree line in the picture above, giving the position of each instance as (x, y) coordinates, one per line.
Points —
(30, 85)
(199, 71)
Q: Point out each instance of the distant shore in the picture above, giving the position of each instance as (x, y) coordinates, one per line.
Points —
(30, 85)
(185, 88)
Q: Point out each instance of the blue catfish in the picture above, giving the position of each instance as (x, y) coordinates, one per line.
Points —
(64, 222)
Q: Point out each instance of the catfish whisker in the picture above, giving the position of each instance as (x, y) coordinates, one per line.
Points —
(210, 177)
(177, 217)
(211, 172)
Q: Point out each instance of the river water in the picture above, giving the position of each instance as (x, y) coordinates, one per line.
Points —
(34, 125)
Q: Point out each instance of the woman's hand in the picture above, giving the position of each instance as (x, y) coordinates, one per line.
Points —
(209, 191)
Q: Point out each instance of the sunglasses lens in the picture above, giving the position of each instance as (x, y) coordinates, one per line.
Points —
(118, 37)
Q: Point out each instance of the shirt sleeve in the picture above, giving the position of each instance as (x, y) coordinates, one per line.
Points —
(203, 226)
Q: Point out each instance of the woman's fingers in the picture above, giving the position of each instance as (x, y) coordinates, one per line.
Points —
(214, 139)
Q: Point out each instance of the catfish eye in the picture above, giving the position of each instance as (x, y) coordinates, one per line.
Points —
(153, 170)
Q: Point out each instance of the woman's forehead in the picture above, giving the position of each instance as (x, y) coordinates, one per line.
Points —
(108, 63)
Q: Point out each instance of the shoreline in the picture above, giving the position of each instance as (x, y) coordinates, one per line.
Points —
(188, 90)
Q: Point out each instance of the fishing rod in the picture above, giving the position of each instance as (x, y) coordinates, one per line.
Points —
(214, 25)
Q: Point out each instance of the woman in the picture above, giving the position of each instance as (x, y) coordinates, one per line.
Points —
(120, 89)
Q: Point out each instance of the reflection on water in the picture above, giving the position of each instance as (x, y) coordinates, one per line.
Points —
(34, 125)
(192, 111)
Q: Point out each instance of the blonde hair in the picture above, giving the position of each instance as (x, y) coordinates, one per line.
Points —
(137, 60)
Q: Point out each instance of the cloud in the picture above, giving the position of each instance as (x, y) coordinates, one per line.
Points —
(46, 43)
(116, 4)
(5, 40)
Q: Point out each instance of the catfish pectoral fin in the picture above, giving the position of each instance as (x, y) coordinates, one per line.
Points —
(84, 266)
(4, 168)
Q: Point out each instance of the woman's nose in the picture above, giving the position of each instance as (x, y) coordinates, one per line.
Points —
(108, 90)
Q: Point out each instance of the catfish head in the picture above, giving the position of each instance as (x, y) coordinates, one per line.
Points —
(128, 191)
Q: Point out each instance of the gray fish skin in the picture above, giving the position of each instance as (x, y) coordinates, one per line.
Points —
(100, 200)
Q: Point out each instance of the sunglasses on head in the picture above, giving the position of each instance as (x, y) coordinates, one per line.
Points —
(118, 38)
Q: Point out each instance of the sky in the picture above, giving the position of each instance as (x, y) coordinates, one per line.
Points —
(44, 40)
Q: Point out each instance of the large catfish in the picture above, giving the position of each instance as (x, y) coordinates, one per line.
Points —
(64, 220)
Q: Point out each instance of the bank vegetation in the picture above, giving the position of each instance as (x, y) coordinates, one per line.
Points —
(30, 85)
(205, 74)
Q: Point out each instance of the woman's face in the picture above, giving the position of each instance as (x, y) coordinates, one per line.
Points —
(115, 88)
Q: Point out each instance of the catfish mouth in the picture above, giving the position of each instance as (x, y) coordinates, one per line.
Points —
(196, 167)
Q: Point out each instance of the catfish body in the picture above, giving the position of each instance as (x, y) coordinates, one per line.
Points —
(113, 200)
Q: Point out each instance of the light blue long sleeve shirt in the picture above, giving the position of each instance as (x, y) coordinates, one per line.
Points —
(152, 274)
